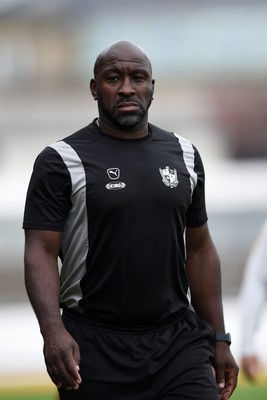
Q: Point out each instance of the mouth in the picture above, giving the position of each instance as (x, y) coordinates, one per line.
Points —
(127, 106)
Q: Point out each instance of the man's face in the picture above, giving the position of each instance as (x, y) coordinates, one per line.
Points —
(124, 88)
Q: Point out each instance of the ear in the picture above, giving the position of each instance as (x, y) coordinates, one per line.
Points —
(153, 87)
(93, 88)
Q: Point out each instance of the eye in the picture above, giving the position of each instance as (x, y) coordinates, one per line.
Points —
(139, 78)
(113, 78)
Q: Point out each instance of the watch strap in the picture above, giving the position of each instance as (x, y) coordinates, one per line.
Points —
(223, 337)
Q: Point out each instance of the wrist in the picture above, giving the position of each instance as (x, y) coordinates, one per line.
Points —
(51, 326)
(223, 337)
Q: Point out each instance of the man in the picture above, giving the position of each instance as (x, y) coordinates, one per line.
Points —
(254, 286)
(122, 203)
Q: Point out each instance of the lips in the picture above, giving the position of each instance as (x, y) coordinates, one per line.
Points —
(127, 105)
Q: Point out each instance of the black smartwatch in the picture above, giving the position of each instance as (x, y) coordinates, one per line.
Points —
(223, 337)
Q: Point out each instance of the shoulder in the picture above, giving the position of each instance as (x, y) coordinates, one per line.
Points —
(162, 133)
(66, 148)
(88, 133)
(171, 135)
(189, 150)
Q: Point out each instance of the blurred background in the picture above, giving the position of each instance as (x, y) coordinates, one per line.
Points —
(210, 64)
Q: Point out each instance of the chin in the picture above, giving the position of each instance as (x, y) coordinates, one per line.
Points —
(129, 119)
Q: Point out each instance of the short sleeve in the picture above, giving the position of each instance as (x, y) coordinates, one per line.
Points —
(48, 196)
(196, 214)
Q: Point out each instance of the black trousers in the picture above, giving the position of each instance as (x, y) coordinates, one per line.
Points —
(168, 362)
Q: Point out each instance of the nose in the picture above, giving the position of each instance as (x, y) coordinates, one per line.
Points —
(126, 88)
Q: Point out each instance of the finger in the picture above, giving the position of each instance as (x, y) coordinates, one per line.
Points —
(227, 393)
(76, 358)
(220, 384)
(61, 377)
(73, 371)
(231, 383)
(63, 365)
(79, 376)
(72, 368)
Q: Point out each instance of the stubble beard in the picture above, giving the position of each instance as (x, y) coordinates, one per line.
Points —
(129, 119)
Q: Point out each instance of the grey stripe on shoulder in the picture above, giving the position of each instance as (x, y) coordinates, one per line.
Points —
(72, 162)
(189, 159)
(75, 236)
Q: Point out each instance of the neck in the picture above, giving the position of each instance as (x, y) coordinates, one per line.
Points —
(124, 132)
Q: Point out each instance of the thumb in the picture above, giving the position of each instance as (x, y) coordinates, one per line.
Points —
(76, 357)
(76, 354)
(220, 383)
(220, 378)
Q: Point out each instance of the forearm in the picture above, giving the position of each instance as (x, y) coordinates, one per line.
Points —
(43, 286)
(42, 281)
(204, 278)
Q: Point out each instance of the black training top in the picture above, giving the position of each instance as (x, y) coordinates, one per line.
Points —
(123, 207)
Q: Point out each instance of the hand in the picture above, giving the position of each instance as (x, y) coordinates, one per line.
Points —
(62, 358)
(226, 370)
(251, 366)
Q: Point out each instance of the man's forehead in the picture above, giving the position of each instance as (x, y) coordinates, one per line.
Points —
(122, 54)
(114, 57)
(124, 61)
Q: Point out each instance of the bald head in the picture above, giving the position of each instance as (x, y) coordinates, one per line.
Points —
(121, 51)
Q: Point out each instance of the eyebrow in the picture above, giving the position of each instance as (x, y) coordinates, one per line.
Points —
(137, 69)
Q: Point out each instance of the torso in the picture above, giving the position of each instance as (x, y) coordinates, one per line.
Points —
(123, 239)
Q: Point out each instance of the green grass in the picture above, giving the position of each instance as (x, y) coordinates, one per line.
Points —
(17, 393)
(30, 396)
(250, 393)
(243, 392)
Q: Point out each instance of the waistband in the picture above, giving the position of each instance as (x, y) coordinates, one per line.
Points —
(92, 321)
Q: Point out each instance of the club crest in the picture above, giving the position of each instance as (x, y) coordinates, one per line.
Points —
(169, 176)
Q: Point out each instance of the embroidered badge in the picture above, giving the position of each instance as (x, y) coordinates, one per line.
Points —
(169, 176)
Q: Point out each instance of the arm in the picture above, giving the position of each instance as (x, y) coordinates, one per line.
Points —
(42, 282)
(204, 278)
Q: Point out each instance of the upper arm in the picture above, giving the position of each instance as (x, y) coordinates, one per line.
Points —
(204, 275)
(40, 242)
(201, 255)
(198, 239)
